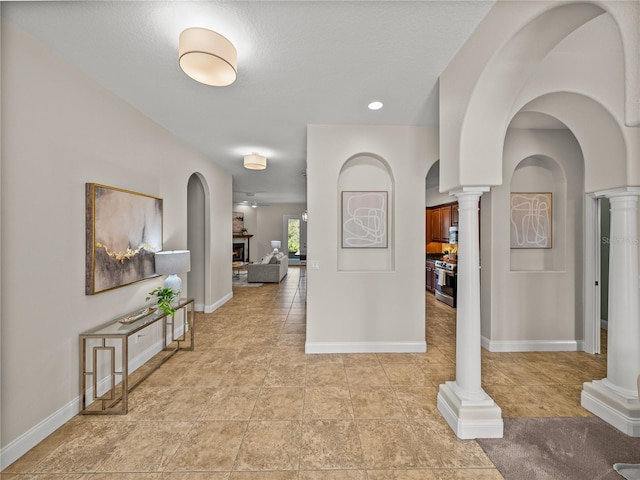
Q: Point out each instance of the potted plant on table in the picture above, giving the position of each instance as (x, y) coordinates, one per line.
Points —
(166, 298)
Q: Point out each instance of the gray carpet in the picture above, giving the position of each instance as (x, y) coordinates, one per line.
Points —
(560, 449)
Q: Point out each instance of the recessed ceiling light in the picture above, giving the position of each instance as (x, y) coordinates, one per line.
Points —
(375, 105)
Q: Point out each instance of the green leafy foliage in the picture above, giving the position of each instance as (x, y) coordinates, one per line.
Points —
(165, 297)
(294, 235)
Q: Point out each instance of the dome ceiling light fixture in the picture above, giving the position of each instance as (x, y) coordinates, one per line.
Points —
(375, 105)
(208, 57)
(255, 162)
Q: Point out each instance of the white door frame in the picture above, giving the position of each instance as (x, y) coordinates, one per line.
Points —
(303, 233)
(592, 267)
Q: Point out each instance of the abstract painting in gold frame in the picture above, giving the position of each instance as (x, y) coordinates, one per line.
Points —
(123, 232)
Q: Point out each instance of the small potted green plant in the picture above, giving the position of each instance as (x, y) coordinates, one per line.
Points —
(166, 297)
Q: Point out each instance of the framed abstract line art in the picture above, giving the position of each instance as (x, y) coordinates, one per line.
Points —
(530, 217)
(123, 231)
(364, 219)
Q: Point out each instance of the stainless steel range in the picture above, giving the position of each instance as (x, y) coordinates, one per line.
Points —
(446, 282)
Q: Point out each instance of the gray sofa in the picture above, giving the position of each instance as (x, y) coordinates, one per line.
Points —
(271, 269)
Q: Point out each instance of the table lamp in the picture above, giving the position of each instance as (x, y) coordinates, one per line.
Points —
(172, 262)
(275, 244)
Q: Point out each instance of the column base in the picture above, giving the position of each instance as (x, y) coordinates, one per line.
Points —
(615, 408)
(469, 418)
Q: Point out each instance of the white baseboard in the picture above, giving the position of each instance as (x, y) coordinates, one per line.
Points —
(365, 347)
(532, 345)
(214, 306)
(25, 442)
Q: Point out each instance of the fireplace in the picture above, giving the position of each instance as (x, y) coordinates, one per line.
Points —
(238, 252)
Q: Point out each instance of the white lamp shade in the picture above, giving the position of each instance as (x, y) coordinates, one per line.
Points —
(208, 57)
(173, 261)
(275, 243)
(255, 162)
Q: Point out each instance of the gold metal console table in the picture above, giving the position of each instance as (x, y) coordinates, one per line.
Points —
(108, 337)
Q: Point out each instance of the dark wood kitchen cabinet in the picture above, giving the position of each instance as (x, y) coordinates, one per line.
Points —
(430, 276)
(438, 221)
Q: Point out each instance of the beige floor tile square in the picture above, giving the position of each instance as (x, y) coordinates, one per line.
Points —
(194, 476)
(370, 375)
(333, 475)
(375, 402)
(281, 475)
(286, 375)
(245, 375)
(406, 374)
(468, 474)
(417, 401)
(106, 476)
(386, 358)
(270, 445)
(209, 446)
(87, 449)
(326, 374)
(231, 403)
(422, 474)
(279, 403)
(389, 444)
(333, 358)
(441, 448)
(330, 444)
(147, 448)
(360, 359)
(297, 328)
(168, 404)
(439, 374)
(327, 403)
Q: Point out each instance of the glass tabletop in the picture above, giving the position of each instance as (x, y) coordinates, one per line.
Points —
(117, 328)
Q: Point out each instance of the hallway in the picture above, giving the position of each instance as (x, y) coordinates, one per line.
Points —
(248, 403)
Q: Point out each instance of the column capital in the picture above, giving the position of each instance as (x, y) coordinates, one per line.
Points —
(469, 191)
(619, 192)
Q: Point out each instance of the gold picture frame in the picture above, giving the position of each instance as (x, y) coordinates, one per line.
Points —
(123, 232)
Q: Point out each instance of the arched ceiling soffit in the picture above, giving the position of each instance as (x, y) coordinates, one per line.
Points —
(497, 88)
(604, 147)
(627, 18)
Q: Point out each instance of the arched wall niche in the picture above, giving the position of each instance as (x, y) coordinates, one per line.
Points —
(367, 172)
(198, 240)
(536, 296)
(541, 174)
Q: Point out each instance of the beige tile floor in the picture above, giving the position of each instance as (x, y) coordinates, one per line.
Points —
(249, 404)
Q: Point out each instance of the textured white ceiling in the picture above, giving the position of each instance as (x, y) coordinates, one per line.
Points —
(300, 63)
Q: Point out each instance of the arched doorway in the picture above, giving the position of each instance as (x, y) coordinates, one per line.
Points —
(197, 240)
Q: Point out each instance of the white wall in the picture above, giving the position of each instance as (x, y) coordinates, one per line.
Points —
(59, 131)
(270, 225)
(363, 310)
(536, 295)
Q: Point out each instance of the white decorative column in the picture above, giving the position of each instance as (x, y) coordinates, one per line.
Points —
(470, 412)
(615, 398)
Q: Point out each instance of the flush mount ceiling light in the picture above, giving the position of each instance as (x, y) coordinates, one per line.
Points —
(375, 105)
(255, 162)
(208, 57)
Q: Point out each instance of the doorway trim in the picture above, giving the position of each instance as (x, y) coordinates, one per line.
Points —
(591, 263)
